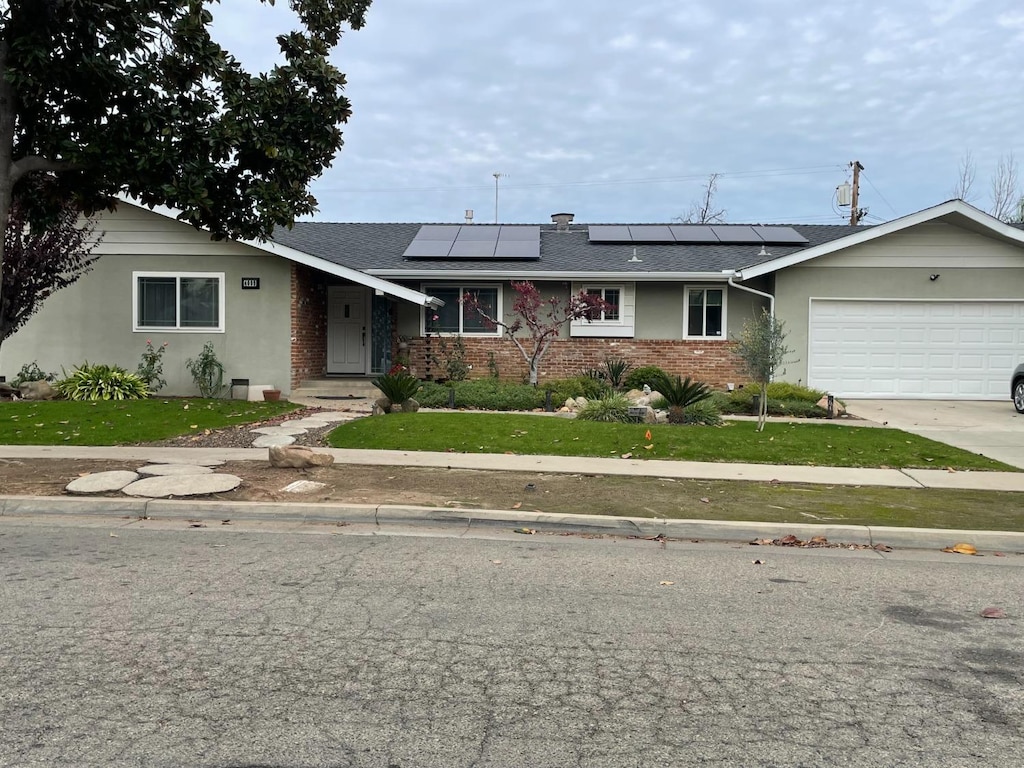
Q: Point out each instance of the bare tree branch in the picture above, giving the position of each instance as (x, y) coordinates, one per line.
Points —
(1006, 191)
(703, 210)
(963, 189)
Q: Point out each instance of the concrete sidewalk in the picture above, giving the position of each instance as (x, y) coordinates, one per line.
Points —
(896, 478)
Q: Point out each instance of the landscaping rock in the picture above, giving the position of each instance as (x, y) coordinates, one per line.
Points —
(381, 405)
(837, 408)
(164, 486)
(36, 390)
(8, 392)
(173, 470)
(298, 457)
(303, 486)
(101, 482)
(410, 406)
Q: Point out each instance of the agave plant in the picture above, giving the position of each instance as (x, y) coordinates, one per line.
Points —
(397, 387)
(679, 393)
(615, 370)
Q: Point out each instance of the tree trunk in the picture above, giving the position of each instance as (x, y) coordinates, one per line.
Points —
(7, 112)
(762, 409)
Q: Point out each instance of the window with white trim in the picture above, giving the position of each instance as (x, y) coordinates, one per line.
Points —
(455, 317)
(612, 296)
(705, 313)
(178, 301)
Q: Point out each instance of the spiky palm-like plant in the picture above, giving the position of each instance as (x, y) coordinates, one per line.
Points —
(678, 393)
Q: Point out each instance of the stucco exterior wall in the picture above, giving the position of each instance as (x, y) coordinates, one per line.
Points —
(968, 265)
(92, 319)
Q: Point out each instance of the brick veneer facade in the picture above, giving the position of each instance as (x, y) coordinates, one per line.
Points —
(713, 362)
(309, 325)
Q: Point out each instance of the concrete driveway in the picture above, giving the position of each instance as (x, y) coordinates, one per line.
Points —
(992, 429)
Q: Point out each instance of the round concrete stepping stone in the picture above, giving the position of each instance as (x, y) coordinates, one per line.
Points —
(174, 470)
(279, 431)
(195, 462)
(306, 423)
(102, 482)
(162, 486)
(269, 441)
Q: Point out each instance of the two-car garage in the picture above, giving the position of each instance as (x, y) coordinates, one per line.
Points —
(914, 348)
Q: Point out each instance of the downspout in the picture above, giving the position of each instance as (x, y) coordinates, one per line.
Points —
(762, 294)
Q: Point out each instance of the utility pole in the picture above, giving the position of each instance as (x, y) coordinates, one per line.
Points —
(856, 214)
(496, 177)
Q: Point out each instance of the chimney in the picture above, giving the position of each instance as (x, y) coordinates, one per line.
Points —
(562, 220)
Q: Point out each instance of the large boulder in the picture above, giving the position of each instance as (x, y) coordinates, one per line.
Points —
(298, 457)
(8, 392)
(410, 406)
(37, 390)
(838, 409)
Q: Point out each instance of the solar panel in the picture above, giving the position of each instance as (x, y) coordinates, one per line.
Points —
(519, 233)
(651, 234)
(517, 249)
(609, 234)
(781, 236)
(473, 249)
(428, 249)
(478, 232)
(438, 232)
(737, 234)
(693, 233)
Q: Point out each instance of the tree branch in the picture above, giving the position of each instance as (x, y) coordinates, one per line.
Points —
(34, 163)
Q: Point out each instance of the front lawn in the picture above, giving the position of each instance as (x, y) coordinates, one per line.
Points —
(836, 445)
(121, 422)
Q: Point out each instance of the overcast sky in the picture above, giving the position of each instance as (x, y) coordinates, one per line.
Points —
(618, 112)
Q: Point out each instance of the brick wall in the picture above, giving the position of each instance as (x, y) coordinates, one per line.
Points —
(712, 362)
(309, 325)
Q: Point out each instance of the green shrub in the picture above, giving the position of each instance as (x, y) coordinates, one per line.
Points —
(483, 394)
(31, 372)
(577, 386)
(207, 372)
(102, 382)
(703, 412)
(679, 393)
(397, 387)
(783, 390)
(615, 370)
(613, 407)
(645, 374)
(801, 405)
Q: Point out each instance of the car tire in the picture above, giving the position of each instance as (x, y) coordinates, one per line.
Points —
(1018, 395)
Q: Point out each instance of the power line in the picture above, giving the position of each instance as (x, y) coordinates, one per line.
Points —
(864, 175)
(772, 173)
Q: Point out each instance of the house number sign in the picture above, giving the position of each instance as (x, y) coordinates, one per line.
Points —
(250, 283)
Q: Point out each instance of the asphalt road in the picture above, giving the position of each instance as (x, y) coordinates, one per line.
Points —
(127, 644)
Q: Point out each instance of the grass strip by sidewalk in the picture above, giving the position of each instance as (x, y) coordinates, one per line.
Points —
(804, 444)
(121, 422)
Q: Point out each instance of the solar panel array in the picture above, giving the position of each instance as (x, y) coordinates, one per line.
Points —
(476, 241)
(696, 234)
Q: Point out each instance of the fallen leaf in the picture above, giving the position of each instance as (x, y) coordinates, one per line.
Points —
(517, 505)
(962, 549)
(950, 469)
(193, 426)
(186, 407)
(627, 455)
(648, 447)
(665, 583)
(819, 540)
(705, 500)
(993, 613)
(114, 536)
(496, 562)
(524, 530)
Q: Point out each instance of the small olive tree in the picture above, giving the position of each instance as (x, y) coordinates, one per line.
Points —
(541, 319)
(762, 346)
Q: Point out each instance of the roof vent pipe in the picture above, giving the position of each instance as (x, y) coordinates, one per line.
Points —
(469, 215)
(562, 220)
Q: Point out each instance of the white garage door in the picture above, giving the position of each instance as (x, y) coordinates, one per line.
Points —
(915, 349)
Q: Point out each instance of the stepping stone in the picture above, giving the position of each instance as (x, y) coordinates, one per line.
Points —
(305, 424)
(102, 482)
(279, 430)
(198, 463)
(268, 441)
(174, 470)
(161, 487)
(303, 486)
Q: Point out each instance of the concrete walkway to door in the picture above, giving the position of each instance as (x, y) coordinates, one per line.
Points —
(990, 428)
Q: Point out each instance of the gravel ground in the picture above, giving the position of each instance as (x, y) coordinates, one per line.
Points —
(242, 436)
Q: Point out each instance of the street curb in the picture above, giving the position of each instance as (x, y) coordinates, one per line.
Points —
(479, 519)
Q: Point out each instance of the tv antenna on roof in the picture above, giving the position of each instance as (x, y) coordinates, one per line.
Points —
(497, 176)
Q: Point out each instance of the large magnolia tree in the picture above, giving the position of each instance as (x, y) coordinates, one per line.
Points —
(134, 97)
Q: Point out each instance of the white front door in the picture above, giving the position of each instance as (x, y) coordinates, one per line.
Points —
(945, 350)
(347, 329)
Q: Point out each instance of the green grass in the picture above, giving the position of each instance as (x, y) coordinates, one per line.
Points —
(780, 443)
(110, 422)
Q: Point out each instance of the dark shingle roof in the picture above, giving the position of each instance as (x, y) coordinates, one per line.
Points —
(376, 247)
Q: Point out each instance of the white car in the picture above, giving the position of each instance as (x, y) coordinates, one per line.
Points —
(1017, 388)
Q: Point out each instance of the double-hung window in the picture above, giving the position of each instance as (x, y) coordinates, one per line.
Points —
(612, 297)
(455, 317)
(179, 301)
(705, 313)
